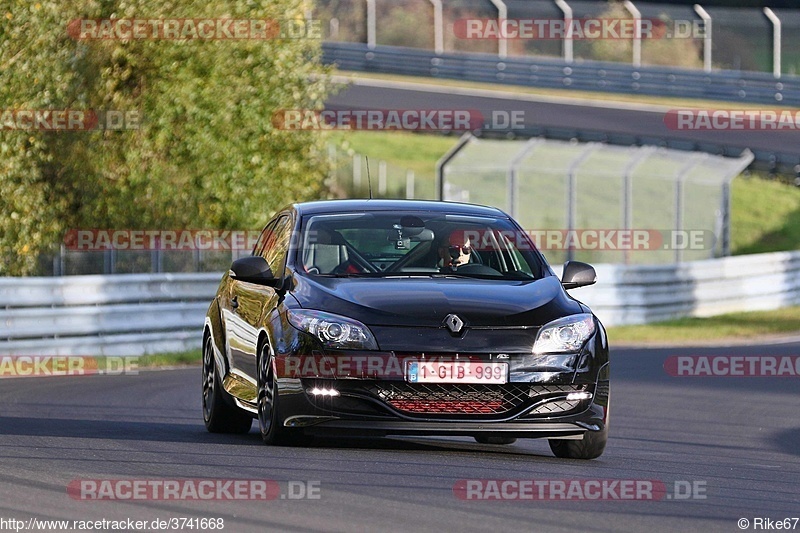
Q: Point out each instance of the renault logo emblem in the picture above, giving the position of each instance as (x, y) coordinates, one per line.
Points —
(453, 323)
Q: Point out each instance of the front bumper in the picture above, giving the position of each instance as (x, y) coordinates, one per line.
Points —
(470, 429)
(360, 409)
(550, 397)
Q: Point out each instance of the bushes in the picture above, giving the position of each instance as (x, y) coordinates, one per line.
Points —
(206, 153)
(683, 53)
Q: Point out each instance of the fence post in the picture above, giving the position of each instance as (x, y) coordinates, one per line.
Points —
(333, 162)
(371, 31)
(438, 27)
(382, 178)
(572, 192)
(409, 184)
(356, 172)
(627, 191)
(743, 162)
(637, 35)
(703, 14)
(59, 265)
(512, 195)
(567, 49)
(502, 17)
(334, 29)
(446, 158)
(681, 175)
(776, 41)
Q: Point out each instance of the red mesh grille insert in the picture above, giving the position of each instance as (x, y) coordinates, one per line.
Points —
(460, 407)
(453, 399)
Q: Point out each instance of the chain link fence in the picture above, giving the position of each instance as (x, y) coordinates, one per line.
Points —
(350, 177)
(601, 203)
(70, 262)
(584, 201)
(741, 38)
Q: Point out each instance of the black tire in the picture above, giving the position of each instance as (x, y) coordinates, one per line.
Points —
(218, 415)
(590, 447)
(270, 423)
(495, 440)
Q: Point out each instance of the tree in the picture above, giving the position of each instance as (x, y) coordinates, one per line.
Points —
(205, 153)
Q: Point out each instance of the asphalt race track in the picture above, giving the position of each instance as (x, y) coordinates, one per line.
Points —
(736, 439)
(622, 120)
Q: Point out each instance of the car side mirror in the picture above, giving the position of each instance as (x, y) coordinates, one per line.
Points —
(577, 274)
(253, 269)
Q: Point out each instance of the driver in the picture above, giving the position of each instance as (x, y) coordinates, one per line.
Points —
(456, 250)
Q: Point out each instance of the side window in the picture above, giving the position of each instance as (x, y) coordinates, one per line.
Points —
(276, 245)
(264, 237)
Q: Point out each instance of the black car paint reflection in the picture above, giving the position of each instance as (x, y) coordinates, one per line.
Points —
(334, 284)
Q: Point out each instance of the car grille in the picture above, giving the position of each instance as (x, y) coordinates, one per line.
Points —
(430, 399)
(555, 407)
(473, 399)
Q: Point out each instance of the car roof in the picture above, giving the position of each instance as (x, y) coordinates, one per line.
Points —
(341, 206)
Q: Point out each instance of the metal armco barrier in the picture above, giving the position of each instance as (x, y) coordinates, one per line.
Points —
(726, 85)
(642, 294)
(152, 313)
(127, 314)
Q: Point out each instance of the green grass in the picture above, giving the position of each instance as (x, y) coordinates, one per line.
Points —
(402, 151)
(730, 326)
(171, 359)
(416, 151)
(765, 215)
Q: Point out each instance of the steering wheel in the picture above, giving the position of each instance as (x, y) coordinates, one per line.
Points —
(477, 268)
(355, 265)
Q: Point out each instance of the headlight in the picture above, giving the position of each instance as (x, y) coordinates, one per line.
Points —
(564, 335)
(333, 331)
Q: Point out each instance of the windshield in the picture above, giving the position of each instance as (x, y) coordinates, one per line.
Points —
(416, 244)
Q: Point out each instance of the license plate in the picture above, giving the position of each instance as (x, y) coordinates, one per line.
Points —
(456, 372)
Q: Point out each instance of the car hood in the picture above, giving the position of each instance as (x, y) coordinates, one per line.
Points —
(425, 302)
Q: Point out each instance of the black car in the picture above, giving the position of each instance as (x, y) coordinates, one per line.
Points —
(399, 317)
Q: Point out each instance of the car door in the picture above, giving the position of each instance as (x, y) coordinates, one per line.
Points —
(251, 302)
(236, 330)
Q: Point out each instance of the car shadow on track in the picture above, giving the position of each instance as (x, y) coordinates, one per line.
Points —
(107, 429)
(196, 433)
(787, 441)
(453, 444)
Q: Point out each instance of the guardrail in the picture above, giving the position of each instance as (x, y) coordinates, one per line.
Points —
(650, 293)
(726, 85)
(151, 313)
(130, 314)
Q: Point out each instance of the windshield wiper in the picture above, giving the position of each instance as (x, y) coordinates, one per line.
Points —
(426, 275)
(350, 275)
